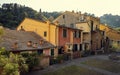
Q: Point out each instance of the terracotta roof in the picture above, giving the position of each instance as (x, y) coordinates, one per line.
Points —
(22, 38)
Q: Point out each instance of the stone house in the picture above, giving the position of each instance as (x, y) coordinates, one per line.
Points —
(111, 34)
(29, 42)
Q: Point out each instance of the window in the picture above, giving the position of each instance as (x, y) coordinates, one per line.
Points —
(82, 18)
(63, 16)
(79, 34)
(75, 34)
(80, 47)
(71, 25)
(103, 33)
(118, 42)
(52, 52)
(40, 51)
(45, 34)
(60, 50)
(64, 33)
(75, 47)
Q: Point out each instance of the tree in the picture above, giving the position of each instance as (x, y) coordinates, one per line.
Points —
(11, 64)
(111, 20)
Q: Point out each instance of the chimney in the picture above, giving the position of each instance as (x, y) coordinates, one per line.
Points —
(72, 11)
(41, 42)
(15, 45)
(35, 45)
(29, 43)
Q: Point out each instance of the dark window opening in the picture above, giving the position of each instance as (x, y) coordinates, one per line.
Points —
(72, 25)
(79, 34)
(75, 34)
(45, 34)
(64, 33)
(40, 51)
(80, 47)
(63, 16)
(75, 47)
(52, 52)
(60, 51)
(103, 33)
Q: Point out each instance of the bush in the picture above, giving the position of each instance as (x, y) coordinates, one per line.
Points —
(12, 64)
(32, 59)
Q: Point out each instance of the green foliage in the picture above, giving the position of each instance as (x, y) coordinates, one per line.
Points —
(112, 20)
(11, 69)
(51, 14)
(32, 59)
(12, 14)
(4, 52)
(11, 63)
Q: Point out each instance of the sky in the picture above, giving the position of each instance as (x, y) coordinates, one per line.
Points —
(97, 7)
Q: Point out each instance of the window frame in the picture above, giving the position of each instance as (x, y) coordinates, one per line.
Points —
(45, 33)
(64, 34)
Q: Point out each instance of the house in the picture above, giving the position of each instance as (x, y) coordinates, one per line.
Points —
(111, 34)
(69, 40)
(59, 36)
(93, 38)
(45, 29)
(70, 19)
(87, 23)
(21, 41)
(86, 35)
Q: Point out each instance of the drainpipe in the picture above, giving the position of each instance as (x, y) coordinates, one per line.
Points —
(56, 36)
(49, 32)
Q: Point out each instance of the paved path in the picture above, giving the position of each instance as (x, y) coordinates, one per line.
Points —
(75, 62)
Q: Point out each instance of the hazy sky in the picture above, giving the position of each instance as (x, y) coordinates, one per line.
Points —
(98, 7)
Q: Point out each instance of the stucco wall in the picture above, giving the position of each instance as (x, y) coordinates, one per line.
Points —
(39, 28)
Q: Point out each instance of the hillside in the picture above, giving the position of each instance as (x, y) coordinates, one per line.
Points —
(111, 20)
(12, 14)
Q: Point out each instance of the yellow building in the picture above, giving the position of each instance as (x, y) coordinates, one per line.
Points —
(45, 29)
(111, 33)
